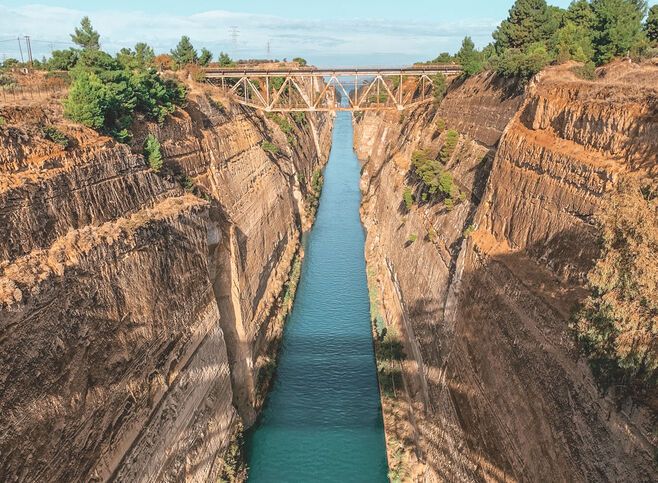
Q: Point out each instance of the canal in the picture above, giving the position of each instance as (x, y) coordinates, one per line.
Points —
(322, 420)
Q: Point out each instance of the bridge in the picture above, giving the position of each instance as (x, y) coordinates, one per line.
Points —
(328, 90)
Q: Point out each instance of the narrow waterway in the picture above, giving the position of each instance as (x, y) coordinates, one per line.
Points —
(322, 420)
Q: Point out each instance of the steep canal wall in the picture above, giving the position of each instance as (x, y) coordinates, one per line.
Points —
(138, 310)
(479, 291)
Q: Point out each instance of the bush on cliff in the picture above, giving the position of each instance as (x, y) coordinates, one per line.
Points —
(152, 153)
(436, 183)
(617, 327)
(105, 94)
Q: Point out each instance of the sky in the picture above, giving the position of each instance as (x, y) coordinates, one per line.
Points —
(327, 33)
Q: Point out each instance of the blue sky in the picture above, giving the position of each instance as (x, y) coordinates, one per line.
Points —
(331, 33)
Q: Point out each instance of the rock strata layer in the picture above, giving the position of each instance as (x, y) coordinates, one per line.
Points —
(136, 307)
(482, 293)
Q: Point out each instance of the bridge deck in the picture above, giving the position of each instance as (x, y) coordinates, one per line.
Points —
(340, 72)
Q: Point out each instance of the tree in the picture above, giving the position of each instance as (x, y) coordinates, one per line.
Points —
(63, 59)
(573, 42)
(581, 14)
(444, 58)
(184, 53)
(618, 27)
(469, 58)
(205, 58)
(87, 101)
(85, 36)
(144, 54)
(152, 153)
(301, 61)
(651, 26)
(523, 63)
(529, 21)
(225, 60)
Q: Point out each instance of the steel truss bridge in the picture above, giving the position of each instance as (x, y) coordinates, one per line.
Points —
(327, 90)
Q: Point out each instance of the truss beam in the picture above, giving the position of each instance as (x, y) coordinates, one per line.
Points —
(308, 90)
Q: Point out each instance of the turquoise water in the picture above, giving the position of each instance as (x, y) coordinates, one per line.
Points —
(322, 420)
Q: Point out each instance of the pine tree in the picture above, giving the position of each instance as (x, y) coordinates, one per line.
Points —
(651, 27)
(144, 54)
(469, 58)
(618, 27)
(87, 101)
(85, 36)
(581, 14)
(529, 21)
(205, 58)
(225, 60)
(184, 53)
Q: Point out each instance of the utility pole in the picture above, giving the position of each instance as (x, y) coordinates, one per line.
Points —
(29, 49)
(20, 49)
(269, 50)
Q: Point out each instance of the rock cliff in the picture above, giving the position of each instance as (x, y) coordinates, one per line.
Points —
(138, 308)
(481, 293)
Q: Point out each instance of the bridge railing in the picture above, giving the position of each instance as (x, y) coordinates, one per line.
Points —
(313, 89)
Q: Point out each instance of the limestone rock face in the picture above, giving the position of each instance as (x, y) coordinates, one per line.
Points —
(133, 312)
(482, 299)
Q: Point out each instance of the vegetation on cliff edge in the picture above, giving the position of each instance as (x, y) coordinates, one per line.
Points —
(617, 326)
(105, 93)
(536, 34)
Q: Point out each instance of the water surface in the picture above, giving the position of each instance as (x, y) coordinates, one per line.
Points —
(322, 420)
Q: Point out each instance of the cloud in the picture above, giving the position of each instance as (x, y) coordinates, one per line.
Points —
(369, 38)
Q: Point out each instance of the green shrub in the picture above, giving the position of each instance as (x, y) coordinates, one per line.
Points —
(63, 59)
(299, 118)
(408, 198)
(88, 101)
(53, 134)
(105, 96)
(586, 71)
(440, 124)
(268, 147)
(469, 230)
(187, 183)
(152, 153)
(448, 148)
(436, 182)
(3, 121)
(412, 238)
(617, 324)
(523, 63)
(301, 61)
